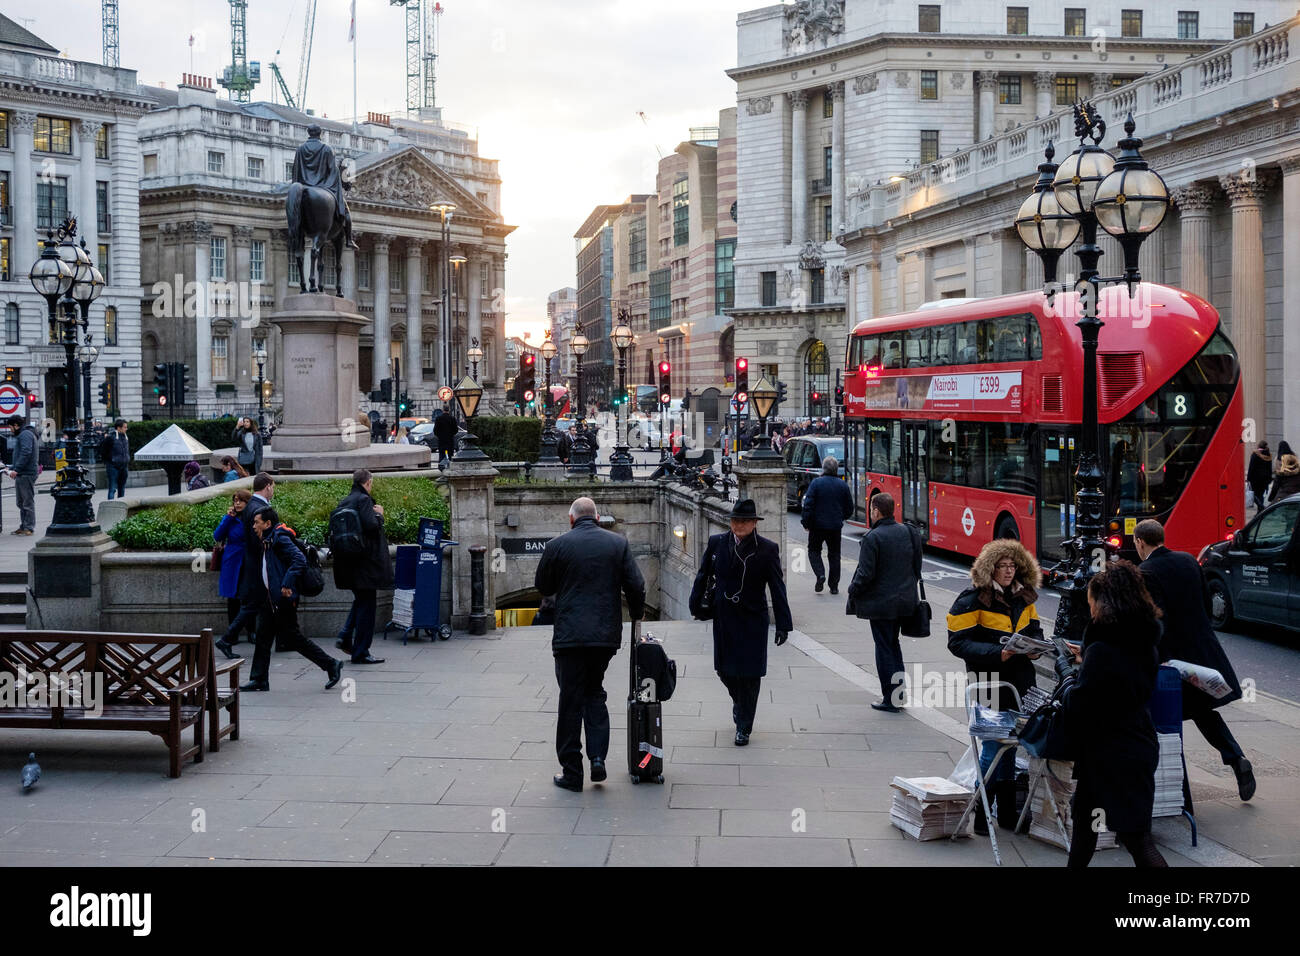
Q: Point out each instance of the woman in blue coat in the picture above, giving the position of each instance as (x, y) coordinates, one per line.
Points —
(744, 567)
(231, 531)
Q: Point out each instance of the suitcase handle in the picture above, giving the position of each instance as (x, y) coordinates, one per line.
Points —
(631, 661)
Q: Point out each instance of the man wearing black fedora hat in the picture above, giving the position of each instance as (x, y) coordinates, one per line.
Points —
(737, 568)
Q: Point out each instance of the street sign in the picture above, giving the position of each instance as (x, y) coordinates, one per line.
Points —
(445, 393)
(12, 400)
(60, 460)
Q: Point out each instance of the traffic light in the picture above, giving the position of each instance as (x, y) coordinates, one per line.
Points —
(526, 380)
(839, 395)
(665, 382)
(686, 400)
(816, 396)
(780, 395)
(103, 393)
(742, 377)
(182, 381)
(403, 404)
(386, 390)
(162, 382)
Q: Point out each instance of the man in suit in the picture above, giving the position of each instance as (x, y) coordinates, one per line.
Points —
(1178, 588)
(586, 569)
(744, 567)
(884, 591)
(827, 504)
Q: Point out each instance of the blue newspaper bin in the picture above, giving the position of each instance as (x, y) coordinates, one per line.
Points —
(419, 570)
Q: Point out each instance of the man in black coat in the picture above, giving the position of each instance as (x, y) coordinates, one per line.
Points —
(884, 591)
(364, 572)
(250, 590)
(827, 504)
(1178, 588)
(743, 566)
(445, 430)
(586, 569)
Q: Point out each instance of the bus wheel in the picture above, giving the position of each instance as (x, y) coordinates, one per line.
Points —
(1220, 604)
(1007, 528)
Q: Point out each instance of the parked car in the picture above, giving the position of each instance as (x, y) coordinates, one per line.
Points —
(1255, 575)
(804, 456)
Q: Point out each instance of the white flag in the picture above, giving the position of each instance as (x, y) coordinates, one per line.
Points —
(352, 27)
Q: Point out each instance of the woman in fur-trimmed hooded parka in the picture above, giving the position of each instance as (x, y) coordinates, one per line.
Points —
(1000, 601)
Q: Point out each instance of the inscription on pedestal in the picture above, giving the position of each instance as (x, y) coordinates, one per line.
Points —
(61, 576)
(304, 364)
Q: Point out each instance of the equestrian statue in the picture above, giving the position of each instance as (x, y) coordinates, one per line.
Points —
(316, 211)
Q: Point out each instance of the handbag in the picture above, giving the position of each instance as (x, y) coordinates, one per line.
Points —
(709, 597)
(1045, 734)
(218, 550)
(917, 624)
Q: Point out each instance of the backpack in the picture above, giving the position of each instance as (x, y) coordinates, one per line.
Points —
(312, 581)
(345, 534)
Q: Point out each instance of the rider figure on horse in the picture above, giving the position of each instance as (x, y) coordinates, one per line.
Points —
(314, 165)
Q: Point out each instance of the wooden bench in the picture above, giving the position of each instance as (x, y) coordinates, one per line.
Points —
(157, 683)
(222, 695)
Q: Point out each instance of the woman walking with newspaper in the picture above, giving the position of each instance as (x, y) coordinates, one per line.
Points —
(999, 604)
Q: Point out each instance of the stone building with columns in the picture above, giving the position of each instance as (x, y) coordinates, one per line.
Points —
(844, 99)
(213, 238)
(68, 148)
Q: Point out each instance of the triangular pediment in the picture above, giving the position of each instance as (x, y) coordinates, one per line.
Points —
(408, 178)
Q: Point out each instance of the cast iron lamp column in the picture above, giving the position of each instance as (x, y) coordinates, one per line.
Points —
(259, 356)
(456, 262)
(468, 394)
(763, 395)
(1129, 201)
(621, 461)
(549, 439)
(580, 452)
(475, 355)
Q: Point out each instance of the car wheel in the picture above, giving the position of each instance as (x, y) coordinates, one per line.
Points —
(1007, 528)
(1220, 604)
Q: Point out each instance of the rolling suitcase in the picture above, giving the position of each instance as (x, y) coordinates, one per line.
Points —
(645, 738)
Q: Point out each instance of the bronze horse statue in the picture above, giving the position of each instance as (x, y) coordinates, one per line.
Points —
(312, 223)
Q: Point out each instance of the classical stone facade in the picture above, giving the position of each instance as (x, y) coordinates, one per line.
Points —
(870, 104)
(212, 218)
(68, 148)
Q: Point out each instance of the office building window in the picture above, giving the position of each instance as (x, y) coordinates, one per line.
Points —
(636, 248)
(257, 261)
(828, 232)
(288, 172)
(661, 305)
(363, 270)
(6, 214)
(929, 145)
(104, 260)
(101, 208)
(927, 18)
(768, 288)
(1130, 24)
(110, 326)
(681, 212)
(1067, 90)
(1189, 25)
(220, 357)
(52, 135)
(724, 274)
(1243, 25)
(329, 272)
(295, 271)
(828, 163)
(1076, 22)
(101, 142)
(818, 277)
(828, 105)
(216, 162)
(429, 355)
(216, 258)
(13, 328)
(110, 378)
(484, 281)
(396, 273)
(51, 202)
(4, 260)
(1017, 21)
(1117, 81)
(1009, 90)
(929, 84)
(255, 164)
(4, 126)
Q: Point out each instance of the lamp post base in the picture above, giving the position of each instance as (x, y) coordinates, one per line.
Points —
(621, 464)
(74, 512)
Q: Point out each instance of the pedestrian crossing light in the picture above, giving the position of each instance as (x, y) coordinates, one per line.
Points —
(742, 376)
(161, 382)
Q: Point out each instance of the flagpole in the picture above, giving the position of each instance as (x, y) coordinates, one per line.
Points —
(355, 123)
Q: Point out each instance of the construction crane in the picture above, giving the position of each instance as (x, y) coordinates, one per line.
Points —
(241, 76)
(413, 58)
(108, 8)
(284, 87)
(304, 64)
(431, 16)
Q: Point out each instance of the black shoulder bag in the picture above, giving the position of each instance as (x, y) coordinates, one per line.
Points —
(917, 624)
(1045, 734)
(709, 597)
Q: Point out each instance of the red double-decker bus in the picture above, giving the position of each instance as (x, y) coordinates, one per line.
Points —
(969, 415)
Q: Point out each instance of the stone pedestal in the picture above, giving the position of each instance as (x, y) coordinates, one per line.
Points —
(64, 574)
(473, 522)
(764, 480)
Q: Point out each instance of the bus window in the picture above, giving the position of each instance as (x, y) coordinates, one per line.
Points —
(893, 349)
(855, 353)
(970, 458)
(918, 348)
(942, 344)
(869, 354)
(1035, 340)
(969, 347)
(1008, 458)
(943, 465)
(1007, 338)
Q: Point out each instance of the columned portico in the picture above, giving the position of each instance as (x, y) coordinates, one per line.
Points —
(24, 199)
(412, 365)
(1290, 298)
(383, 334)
(798, 167)
(988, 87)
(836, 92)
(1044, 90)
(1246, 193)
(200, 233)
(87, 223)
(1194, 202)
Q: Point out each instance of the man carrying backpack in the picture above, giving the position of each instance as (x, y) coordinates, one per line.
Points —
(361, 564)
(277, 582)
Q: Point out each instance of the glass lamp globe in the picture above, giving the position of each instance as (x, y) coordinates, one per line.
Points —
(1078, 177)
(1043, 224)
(548, 349)
(579, 344)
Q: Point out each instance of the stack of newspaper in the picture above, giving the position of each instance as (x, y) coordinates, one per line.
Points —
(1044, 825)
(1169, 777)
(927, 808)
(1025, 644)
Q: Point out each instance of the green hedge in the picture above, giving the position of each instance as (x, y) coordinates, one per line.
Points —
(304, 506)
(212, 432)
(509, 438)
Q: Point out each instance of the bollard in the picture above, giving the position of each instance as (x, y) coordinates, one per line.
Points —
(477, 613)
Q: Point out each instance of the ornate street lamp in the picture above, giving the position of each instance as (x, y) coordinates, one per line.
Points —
(446, 374)
(621, 461)
(468, 395)
(1129, 200)
(550, 440)
(86, 356)
(580, 452)
(65, 269)
(456, 262)
(475, 355)
(764, 396)
(259, 356)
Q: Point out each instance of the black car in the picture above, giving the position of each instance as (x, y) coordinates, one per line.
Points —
(804, 454)
(1255, 576)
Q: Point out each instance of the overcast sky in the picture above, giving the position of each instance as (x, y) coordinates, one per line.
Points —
(553, 86)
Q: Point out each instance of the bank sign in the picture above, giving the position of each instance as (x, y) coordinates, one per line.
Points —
(976, 391)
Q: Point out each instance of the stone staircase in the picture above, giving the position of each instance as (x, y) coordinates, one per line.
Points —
(13, 600)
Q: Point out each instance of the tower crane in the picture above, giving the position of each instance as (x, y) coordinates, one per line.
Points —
(304, 65)
(108, 10)
(241, 76)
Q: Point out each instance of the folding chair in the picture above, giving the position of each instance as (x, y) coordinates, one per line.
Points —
(976, 742)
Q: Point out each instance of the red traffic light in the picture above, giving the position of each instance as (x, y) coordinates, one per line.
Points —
(816, 396)
(665, 368)
(529, 359)
(742, 364)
